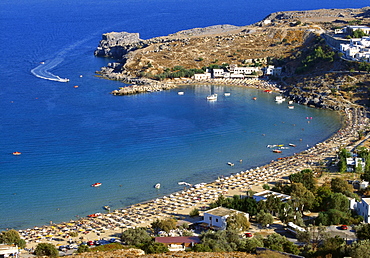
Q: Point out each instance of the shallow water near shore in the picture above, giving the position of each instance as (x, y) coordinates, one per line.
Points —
(73, 137)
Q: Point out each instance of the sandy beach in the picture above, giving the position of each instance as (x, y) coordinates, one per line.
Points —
(179, 204)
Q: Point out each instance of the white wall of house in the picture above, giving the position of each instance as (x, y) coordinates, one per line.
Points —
(202, 76)
(362, 208)
(214, 219)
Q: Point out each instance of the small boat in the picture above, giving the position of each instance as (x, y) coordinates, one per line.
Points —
(291, 145)
(17, 153)
(94, 215)
(76, 86)
(230, 164)
(290, 102)
(276, 151)
(212, 97)
(279, 99)
(180, 93)
(254, 98)
(268, 91)
(157, 186)
(42, 62)
(106, 207)
(96, 185)
(291, 107)
(227, 93)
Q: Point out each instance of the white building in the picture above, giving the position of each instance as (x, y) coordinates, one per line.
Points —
(364, 185)
(216, 218)
(353, 163)
(350, 29)
(362, 208)
(357, 49)
(202, 76)
(218, 73)
(9, 251)
(262, 196)
(234, 69)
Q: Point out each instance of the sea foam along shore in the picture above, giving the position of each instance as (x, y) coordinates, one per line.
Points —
(181, 203)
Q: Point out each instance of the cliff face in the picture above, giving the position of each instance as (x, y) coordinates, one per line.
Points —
(117, 44)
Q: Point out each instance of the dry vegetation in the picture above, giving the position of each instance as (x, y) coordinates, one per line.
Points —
(287, 34)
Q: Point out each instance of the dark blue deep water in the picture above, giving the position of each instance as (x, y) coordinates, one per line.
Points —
(73, 137)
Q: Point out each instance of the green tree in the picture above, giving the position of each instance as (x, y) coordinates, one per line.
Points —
(11, 237)
(249, 245)
(339, 185)
(83, 249)
(266, 186)
(280, 243)
(135, 236)
(358, 34)
(333, 246)
(220, 241)
(46, 249)
(313, 237)
(321, 198)
(156, 248)
(264, 218)
(338, 201)
(165, 225)
(202, 248)
(194, 212)
(238, 222)
(360, 249)
(303, 198)
(305, 177)
(363, 231)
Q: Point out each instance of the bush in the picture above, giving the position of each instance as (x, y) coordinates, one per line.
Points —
(83, 249)
(266, 187)
(194, 212)
(11, 237)
(135, 236)
(45, 249)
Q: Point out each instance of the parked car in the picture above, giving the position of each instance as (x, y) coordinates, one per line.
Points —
(344, 227)
(248, 234)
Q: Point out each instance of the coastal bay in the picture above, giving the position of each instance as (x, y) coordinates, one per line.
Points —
(72, 137)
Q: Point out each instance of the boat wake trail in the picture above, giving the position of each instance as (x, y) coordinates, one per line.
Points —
(42, 71)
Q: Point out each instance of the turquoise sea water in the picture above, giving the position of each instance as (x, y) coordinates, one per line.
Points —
(73, 137)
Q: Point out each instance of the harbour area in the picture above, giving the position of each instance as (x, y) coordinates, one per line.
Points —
(179, 204)
(153, 86)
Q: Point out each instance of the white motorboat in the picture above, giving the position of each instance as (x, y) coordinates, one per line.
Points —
(230, 164)
(157, 186)
(227, 93)
(212, 97)
(180, 93)
(279, 99)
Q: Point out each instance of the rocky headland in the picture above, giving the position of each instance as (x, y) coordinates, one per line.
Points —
(282, 39)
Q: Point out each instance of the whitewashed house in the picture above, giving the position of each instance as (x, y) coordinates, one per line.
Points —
(357, 49)
(353, 163)
(9, 251)
(216, 218)
(362, 208)
(352, 203)
(218, 73)
(351, 29)
(202, 76)
(364, 185)
(262, 196)
(235, 69)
